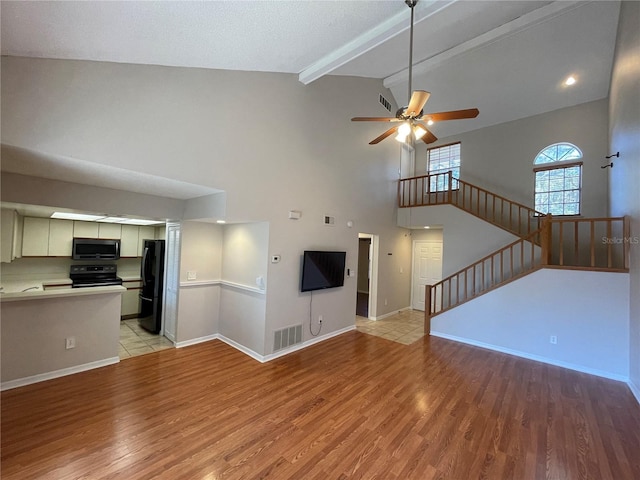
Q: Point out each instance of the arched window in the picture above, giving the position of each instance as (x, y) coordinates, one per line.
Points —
(558, 179)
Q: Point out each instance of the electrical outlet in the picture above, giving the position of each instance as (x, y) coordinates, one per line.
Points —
(320, 319)
(70, 342)
(553, 339)
(386, 302)
(191, 275)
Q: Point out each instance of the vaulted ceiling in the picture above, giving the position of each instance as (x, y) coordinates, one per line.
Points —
(508, 58)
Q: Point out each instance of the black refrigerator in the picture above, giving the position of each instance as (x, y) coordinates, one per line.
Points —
(152, 274)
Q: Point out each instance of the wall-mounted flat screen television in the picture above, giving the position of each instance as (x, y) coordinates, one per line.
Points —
(322, 270)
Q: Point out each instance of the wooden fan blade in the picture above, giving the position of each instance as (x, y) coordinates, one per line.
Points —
(452, 115)
(386, 134)
(429, 137)
(375, 119)
(417, 102)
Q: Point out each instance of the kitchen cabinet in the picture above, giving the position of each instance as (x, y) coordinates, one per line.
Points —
(11, 230)
(129, 241)
(35, 237)
(60, 238)
(85, 229)
(145, 233)
(131, 299)
(109, 230)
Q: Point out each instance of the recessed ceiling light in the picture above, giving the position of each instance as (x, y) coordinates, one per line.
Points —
(427, 227)
(570, 80)
(220, 221)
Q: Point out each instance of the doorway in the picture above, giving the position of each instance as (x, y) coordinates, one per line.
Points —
(367, 274)
(427, 269)
(364, 277)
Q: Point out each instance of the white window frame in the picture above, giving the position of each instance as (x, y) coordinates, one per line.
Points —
(438, 184)
(547, 161)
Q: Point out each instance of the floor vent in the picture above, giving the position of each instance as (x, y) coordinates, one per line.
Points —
(385, 103)
(286, 337)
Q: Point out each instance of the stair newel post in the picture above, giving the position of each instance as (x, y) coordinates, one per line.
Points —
(450, 190)
(427, 310)
(626, 228)
(545, 240)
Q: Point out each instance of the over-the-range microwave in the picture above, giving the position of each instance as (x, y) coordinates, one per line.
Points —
(95, 249)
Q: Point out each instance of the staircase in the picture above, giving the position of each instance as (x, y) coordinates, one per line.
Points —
(600, 244)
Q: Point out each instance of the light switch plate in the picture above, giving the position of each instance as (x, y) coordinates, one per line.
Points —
(191, 275)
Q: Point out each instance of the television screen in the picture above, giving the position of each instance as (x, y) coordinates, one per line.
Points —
(322, 270)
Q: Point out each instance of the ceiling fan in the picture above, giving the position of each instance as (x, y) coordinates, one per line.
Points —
(412, 116)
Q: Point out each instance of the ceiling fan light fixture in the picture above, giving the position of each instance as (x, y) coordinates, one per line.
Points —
(419, 131)
(404, 129)
(429, 122)
(401, 138)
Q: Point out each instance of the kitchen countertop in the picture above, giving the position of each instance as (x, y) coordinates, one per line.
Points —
(38, 293)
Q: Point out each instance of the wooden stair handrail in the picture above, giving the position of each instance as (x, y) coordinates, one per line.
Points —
(408, 196)
(431, 289)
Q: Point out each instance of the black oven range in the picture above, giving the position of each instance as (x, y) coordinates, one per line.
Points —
(93, 276)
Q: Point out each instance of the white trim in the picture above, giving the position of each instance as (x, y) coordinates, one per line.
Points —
(195, 341)
(199, 283)
(282, 353)
(368, 40)
(537, 358)
(239, 286)
(41, 377)
(242, 348)
(390, 314)
(634, 389)
(308, 343)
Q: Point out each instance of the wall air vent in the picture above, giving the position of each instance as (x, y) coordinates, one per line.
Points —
(286, 337)
(385, 103)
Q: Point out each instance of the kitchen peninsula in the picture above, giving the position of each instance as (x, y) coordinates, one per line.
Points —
(50, 333)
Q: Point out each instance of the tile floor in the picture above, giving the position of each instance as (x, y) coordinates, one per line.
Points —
(134, 340)
(404, 327)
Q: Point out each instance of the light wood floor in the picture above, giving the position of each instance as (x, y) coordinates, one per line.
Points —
(353, 407)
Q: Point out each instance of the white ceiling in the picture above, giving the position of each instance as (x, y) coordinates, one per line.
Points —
(508, 58)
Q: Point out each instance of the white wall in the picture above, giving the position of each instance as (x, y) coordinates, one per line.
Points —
(34, 332)
(466, 238)
(500, 158)
(199, 302)
(243, 296)
(201, 249)
(624, 137)
(587, 311)
(307, 156)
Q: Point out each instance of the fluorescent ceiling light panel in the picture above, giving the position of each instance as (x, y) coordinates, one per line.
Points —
(128, 221)
(76, 216)
(139, 221)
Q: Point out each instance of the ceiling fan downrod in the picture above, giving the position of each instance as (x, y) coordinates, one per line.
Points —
(411, 4)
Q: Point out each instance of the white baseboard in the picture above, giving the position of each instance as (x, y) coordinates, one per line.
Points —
(195, 341)
(41, 377)
(537, 358)
(287, 351)
(308, 343)
(390, 314)
(634, 389)
(242, 348)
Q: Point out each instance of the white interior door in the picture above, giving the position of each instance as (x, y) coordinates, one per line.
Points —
(427, 270)
(172, 280)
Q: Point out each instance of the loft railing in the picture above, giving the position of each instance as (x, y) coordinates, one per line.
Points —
(443, 188)
(600, 244)
(588, 243)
